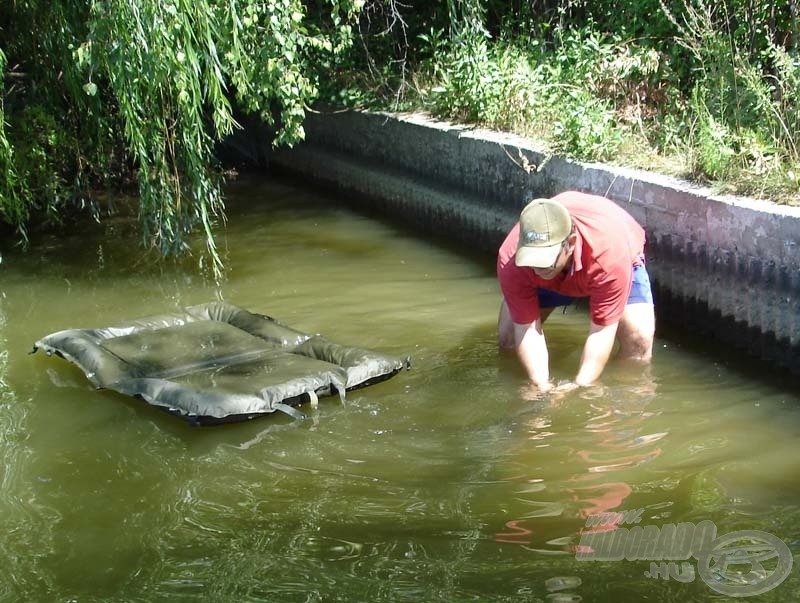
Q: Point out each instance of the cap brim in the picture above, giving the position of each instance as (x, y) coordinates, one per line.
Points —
(537, 257)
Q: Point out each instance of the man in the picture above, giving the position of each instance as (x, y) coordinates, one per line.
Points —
(575, 245)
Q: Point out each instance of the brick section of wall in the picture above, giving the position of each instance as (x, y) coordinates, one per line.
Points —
(728, 268)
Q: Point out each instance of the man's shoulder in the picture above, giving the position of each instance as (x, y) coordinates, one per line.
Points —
(508, 248)
(603, 223)
(576, 201)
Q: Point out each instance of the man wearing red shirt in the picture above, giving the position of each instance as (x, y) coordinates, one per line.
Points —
(575, 245)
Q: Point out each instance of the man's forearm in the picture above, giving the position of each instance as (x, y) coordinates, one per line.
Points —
(532, 351)
(596, 352)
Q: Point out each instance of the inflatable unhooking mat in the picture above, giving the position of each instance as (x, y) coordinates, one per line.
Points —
(217, 363)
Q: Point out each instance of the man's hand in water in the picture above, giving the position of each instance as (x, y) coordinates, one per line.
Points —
(563, 388)
(559, 391)
(532, 392)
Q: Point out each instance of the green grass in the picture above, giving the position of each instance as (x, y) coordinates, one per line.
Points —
(595, 97)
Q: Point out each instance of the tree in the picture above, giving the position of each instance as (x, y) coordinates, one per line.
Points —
(109, 86)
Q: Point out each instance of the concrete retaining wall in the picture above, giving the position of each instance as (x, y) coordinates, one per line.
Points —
(728, 268)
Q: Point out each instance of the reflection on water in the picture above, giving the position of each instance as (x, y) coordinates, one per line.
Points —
(442, 484)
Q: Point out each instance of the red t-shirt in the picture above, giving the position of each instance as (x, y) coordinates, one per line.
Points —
(610, 242)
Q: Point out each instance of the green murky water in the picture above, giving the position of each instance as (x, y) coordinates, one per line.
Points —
(442, 484)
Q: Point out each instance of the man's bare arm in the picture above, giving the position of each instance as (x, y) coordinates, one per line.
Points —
(596, 352)
(532, 351)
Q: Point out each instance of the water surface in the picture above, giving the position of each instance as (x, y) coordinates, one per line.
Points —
(446, 483)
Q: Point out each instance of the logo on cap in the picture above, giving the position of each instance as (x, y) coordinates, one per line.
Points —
(536, 237)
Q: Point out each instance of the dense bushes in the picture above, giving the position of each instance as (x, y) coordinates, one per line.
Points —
(106, 90)
(140, 91)
(705, 91)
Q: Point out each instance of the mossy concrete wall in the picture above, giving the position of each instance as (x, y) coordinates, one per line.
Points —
(724, 267)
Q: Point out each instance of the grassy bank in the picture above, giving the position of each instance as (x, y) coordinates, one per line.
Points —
(696, 105)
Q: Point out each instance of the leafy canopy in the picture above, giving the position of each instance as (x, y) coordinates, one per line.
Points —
(109, 86)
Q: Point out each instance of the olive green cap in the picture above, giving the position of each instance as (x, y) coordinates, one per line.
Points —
(543, 226)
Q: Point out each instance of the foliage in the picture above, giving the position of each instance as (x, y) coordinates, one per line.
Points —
(115, 91)
(574, 99)
(709, 88)
(12, 205)
(745, 99)
(109, 85)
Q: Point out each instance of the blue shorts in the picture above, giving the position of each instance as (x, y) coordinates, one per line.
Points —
(640, 291)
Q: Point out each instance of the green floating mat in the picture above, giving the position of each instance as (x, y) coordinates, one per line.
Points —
(217, 363)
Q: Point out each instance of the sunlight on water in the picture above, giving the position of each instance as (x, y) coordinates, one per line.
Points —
(442, 484)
